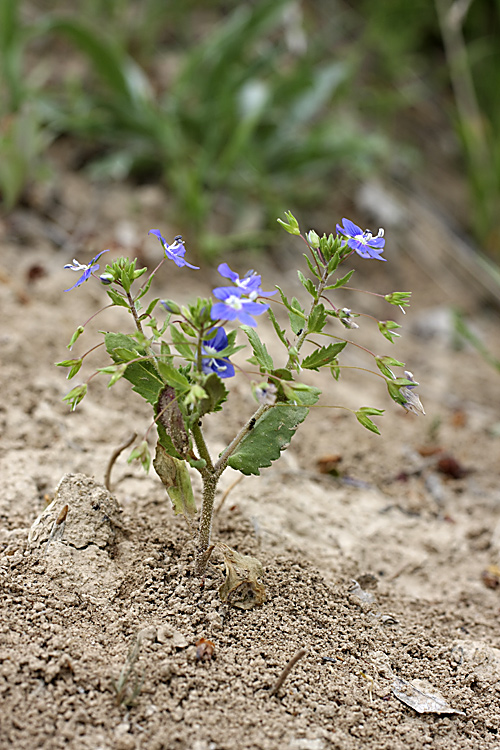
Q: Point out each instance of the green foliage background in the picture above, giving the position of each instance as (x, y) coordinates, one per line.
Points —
(243, 109)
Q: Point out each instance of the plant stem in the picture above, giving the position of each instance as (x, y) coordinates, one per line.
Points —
(134, 313)
(205, 528)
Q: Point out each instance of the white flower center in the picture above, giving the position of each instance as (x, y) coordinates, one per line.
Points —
(234, 302)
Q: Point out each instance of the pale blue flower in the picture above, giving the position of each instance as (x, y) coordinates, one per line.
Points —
(175, 251)
(87, 270)
(364, 243)
(249, 284)
(233, 307)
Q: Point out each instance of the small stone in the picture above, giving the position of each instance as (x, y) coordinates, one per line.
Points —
(164, 633)
(215, 620)
(179, 640)
(147, 634)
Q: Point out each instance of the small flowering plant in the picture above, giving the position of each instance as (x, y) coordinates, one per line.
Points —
(179, 358)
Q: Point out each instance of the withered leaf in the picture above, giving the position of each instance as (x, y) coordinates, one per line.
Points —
(175, 476)
(242, 587)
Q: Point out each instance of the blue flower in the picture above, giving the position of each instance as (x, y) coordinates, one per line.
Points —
(210, 348)
(87, 270)
(249, 284)
(233, 307)
(364, 243)
(175, 251)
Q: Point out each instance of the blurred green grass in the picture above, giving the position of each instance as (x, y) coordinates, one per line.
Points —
(241, 109)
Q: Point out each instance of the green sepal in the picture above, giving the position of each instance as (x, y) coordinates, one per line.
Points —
(117, 298)
(175, 476)
(386, 328)
(323, 357)
(363, 416)
(335, 370)
(340, 282)
(76, 395)
(262, 356)
(75, 365)
(394, 388)
(271, 435)
(75, 336)
(116, 371)
(383, 365)
(142, 454)
(292, 227)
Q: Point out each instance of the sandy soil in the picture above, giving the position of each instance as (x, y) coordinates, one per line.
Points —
(413, 517)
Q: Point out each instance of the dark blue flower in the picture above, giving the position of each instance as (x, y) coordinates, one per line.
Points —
(87, 270)
(364, 243)
(249, 284)
(175, 251)
(210, 348)
(233, 307)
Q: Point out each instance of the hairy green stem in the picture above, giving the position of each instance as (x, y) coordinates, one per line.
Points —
(134, 312)
(205, 526)
(212, 472)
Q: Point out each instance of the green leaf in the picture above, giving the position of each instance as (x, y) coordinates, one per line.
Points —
(322, 357)
(333, 263)
(150, 308)
(145, 379)
(262, 356)
(296, 312)
(145, 288)
(216, 395)
(312, 268)
(175, 476)
(340, 282)
(173, 377)
(271, 435)
(317, 319)
(181, 343)
(117, 298)
(279, 331)
(308, 284)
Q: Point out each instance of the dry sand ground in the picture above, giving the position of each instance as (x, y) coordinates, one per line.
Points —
(413, 516)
